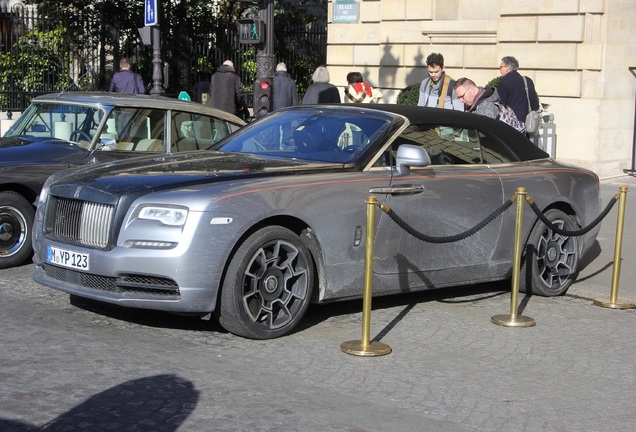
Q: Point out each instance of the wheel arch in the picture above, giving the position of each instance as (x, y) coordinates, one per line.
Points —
(298, 226)
(29, 194)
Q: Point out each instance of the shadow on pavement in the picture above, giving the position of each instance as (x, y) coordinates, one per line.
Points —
(463, 294)
(147, 317)
(159, 403)
(315, 315)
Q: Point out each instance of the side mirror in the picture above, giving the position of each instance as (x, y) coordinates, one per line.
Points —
(107, 144)
(410, 155)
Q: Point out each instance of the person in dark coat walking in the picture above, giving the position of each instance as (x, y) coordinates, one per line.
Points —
(226, 93)
(126, 81)
(321, 91)
(512, 90)
(285, 93)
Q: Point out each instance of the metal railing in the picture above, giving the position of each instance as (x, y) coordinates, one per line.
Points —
(81, 51)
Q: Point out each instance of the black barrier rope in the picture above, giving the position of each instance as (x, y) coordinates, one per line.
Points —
(450, 239)
(580, 232)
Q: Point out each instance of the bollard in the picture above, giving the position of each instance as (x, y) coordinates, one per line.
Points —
(618, 246)
(365, 347)
(514, 320)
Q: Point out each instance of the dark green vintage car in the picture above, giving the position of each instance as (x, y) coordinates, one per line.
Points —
(60, 131)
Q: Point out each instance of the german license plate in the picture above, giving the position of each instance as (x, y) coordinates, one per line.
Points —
(66, 258)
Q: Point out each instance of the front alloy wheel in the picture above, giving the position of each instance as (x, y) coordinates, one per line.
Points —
(267, 286)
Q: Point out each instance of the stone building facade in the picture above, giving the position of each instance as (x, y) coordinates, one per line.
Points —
(581, 55)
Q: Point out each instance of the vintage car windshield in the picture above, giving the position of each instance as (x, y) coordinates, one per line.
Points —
(68, 122)
(314, 134)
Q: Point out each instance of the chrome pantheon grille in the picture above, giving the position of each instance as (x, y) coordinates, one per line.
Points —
(83, 222)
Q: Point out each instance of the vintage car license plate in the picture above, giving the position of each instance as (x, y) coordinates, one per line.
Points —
(66, 258)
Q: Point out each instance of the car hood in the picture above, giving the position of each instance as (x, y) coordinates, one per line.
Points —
(20, 150)
(156, 173)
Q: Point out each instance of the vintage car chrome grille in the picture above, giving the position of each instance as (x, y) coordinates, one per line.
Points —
(82, 222)
(139, 285)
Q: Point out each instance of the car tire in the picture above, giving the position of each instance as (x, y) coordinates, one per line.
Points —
(16, 226)
(551, 260)
(267, 286)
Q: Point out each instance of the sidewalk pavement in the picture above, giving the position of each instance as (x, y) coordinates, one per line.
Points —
(595, 278)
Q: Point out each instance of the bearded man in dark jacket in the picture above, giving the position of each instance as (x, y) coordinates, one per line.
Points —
(225, 89)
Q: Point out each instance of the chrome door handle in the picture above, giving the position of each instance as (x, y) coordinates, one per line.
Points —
(398, 190)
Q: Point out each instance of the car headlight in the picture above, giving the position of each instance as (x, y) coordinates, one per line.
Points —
(44, 194)
(172, 216)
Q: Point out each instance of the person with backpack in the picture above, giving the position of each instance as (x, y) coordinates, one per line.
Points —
(478, 100)
(485, 101)
(438, 83)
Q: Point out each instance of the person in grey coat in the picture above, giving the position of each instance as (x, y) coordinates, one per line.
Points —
(436, 83)
(321, 91)
(285, 93)
(478, 100)
(225, 89)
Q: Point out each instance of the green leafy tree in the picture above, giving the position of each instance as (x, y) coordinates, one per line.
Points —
(195, 36)
(38, 57)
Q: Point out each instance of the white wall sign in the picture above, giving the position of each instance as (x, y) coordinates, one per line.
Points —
(346, 11)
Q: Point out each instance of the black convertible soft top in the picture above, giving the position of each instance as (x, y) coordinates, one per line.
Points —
(515, 140)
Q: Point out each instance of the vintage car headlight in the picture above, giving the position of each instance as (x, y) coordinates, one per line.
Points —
(172, 216)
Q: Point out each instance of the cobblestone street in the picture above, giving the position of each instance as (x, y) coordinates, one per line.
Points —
(82, 366)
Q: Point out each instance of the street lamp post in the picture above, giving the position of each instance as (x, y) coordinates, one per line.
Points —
(265, 56)
(157, 73)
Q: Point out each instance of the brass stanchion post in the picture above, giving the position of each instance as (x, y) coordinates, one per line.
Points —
(618, 246)
(515, 320)
(365, 347)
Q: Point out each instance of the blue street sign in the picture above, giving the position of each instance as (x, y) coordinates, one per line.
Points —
(151, 13)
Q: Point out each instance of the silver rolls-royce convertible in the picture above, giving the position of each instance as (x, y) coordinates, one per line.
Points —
(273, 217)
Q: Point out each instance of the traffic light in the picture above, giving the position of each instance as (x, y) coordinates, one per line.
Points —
(262, 96)
(251, 31)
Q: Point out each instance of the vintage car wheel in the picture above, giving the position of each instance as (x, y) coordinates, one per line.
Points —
(268, 284)
(16, 223)
(551, 262)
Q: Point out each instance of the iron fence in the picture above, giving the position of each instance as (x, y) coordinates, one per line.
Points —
(79, 50)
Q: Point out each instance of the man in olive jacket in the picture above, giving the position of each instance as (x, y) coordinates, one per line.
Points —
(225, 89)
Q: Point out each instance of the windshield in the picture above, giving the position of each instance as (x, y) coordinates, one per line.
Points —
(66, 122)
(323, 135)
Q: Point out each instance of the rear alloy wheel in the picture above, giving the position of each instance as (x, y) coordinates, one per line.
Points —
(551, 261)
(267, 286)
(16, 223)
